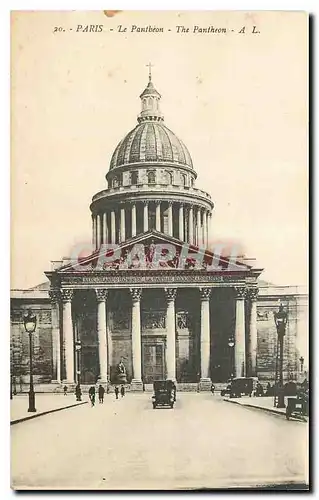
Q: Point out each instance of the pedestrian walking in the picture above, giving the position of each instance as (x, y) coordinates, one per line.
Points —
(65, 390)
(116, 390)
(78, 393)
(92, 395)
(101, 394)
(122, 391)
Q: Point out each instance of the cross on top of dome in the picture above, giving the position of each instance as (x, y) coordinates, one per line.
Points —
(150, 65)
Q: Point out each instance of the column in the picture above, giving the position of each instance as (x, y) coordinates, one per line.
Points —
(170, 218)
(134, 219)
(191, 226)
(113, 227)
(181, 222)
(56, 348)
(171, 334)
(101, 296)
(94, 231)
(252, 334)
(145, 216)
(199, 240)
(136, 383)
(204, 229)
(158, 215)
(105, 235)
(240, 360)
(98, 232)
(122, 230)
(68, 340)
(205, 380)
(208, 242)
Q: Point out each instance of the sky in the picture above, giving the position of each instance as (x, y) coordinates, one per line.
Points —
(238, 102)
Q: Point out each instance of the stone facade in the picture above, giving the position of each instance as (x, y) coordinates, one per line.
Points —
(171, 321)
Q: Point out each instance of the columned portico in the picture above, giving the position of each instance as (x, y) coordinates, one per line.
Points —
(252, 334)
(136, 294)
(205, 380)
(56, 358)
(101, 296)
(171, 334)
(68, 340)
(240, 348)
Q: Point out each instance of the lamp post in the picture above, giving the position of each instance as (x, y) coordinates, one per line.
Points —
(30, 324)
(231, 344)
(301, 360)
(78, 347)
(281, 322)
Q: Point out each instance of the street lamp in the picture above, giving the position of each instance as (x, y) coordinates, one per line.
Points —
(78, 347)
(301, 359)
(281, 322)
(30, 324)
(231, 343)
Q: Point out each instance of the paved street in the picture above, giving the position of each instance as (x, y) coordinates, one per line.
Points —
(202, 442)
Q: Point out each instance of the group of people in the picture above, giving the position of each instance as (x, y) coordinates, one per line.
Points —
(101, 392)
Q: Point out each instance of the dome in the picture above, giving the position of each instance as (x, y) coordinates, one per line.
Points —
(151, 142)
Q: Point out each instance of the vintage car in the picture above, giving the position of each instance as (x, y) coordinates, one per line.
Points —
(164, 393)
(240, 386)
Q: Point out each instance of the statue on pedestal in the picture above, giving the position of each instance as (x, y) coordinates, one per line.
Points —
(121, 373)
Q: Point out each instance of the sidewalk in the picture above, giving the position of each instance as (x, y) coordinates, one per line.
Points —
(262, 403)
(44, 403)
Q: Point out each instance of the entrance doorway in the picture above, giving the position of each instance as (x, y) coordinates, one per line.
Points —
(153, 362)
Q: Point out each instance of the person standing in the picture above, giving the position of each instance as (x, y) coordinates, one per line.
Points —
(212, 389)
(116, 390)
(65, 390)
(92, 395)
(78, 392)
(101, 394)
(122, 391)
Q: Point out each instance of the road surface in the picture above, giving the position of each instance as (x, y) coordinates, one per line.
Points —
(204, 442)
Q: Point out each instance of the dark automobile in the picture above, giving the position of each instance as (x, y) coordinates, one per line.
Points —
(164, 393)
(240, 386)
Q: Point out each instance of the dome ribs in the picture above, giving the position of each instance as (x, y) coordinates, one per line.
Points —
(136, 144)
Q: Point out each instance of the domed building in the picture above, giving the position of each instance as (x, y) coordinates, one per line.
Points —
(153, 297)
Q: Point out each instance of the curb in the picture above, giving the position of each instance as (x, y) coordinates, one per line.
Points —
(270, 410)
(29, 417)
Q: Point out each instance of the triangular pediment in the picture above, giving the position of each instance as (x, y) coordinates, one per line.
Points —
(155, 250)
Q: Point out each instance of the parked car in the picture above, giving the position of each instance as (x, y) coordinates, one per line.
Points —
(164, 393)
(240, 386)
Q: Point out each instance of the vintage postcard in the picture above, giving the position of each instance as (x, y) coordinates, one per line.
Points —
(159, 281)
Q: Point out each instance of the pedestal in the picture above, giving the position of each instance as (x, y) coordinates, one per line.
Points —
(205, 384)
(136, 385)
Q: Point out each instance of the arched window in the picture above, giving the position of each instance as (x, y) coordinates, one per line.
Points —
(169, 177)
(117, 181)
(151, 177)
(183, 179)
(134, 177)
(192, 181)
